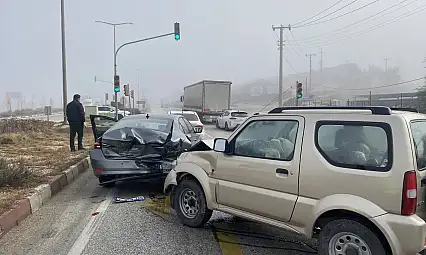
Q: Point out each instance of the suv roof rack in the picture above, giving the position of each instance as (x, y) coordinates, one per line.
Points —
(405, 109)
(377, 110)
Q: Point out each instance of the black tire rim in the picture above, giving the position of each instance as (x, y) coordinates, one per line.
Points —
(188, 203)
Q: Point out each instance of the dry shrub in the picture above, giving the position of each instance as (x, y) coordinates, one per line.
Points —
(23, 125)
(6, 139)
(14, 175)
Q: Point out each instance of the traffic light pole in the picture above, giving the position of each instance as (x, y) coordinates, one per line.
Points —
(115, 60)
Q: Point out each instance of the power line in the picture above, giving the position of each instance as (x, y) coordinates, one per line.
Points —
(338, 2)
(289, 64)
(275, 98)
(378, 87)
(344, 14)
(291, 46)
(398, 18)
(329, 13)
(291, 32)
(360, 21)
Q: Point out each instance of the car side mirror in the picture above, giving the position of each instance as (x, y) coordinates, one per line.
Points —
(220, 145)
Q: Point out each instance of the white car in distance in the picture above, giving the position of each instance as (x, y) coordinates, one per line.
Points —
(193, 118)
(231, 119)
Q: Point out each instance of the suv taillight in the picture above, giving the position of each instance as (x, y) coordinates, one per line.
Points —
(409, 193)
(97, 145)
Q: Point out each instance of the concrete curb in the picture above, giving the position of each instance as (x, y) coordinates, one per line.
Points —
(23, 208)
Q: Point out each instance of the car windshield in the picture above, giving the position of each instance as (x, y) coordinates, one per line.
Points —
(160, 124)
(418, 129)
(239, 114)
(103, 109)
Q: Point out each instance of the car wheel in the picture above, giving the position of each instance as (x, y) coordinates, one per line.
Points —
(226, 126)
(217, 124)
(344, 236)
(190, 204)
(106, 185)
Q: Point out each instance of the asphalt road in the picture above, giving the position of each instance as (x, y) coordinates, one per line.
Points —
(83, 219)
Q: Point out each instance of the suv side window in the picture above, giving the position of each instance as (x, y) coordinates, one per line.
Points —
(183, 126)
(355, 145)
(269, 139)
(226, 113)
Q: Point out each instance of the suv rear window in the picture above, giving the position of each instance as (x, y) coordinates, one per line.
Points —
(355, 145)
(418, 129)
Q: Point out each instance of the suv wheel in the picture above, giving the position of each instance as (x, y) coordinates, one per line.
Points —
(105, 179)
(344, 236)
(217, 124)
(190, 204)
(226, 126)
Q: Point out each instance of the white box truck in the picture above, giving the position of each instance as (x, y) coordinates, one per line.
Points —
(208, 98)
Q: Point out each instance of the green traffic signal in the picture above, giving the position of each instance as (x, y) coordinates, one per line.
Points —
(117, 90)
(177, 31)
(299, 95)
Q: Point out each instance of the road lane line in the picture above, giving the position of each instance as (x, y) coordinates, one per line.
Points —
(81, 242)
(228, 243)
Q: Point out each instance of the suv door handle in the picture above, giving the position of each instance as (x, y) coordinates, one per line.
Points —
(282, 171)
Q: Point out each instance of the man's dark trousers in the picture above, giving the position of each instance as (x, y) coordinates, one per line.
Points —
(76, 128)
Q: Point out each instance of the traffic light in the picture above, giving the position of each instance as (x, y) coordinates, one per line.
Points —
(299, 90)
(132, 93)
(126, 90)
(116, 83)
(177, 31)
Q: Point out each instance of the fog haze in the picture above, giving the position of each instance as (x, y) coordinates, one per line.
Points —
(226, 40)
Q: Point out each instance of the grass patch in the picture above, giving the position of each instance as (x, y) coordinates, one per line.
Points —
(32, 151)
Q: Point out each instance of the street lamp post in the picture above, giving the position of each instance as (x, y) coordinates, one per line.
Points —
(64, 65)
(115, 66)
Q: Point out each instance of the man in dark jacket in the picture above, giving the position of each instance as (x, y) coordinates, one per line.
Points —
(75, 117)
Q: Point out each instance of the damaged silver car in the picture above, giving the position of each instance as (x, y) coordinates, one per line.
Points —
(138, 146)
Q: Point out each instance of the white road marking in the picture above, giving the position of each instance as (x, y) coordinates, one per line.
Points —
(81, 242)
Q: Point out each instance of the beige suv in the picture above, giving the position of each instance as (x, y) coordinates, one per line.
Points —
(354, 178)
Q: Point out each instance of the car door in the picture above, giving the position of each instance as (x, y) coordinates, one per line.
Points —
(223, 119)
(100, 124)
(260, 173)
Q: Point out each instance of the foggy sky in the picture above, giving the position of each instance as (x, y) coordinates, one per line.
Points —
(227, 40)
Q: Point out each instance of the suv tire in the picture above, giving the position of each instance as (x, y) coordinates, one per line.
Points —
(341, 232)
(226, 126)
(217, 124)
(188, 194)
(106, 185)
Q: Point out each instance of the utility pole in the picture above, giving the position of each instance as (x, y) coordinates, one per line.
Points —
(386, 69)
(281, 44)
(139, 95)
(321, 65)
(310, 72)
(64, 64)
